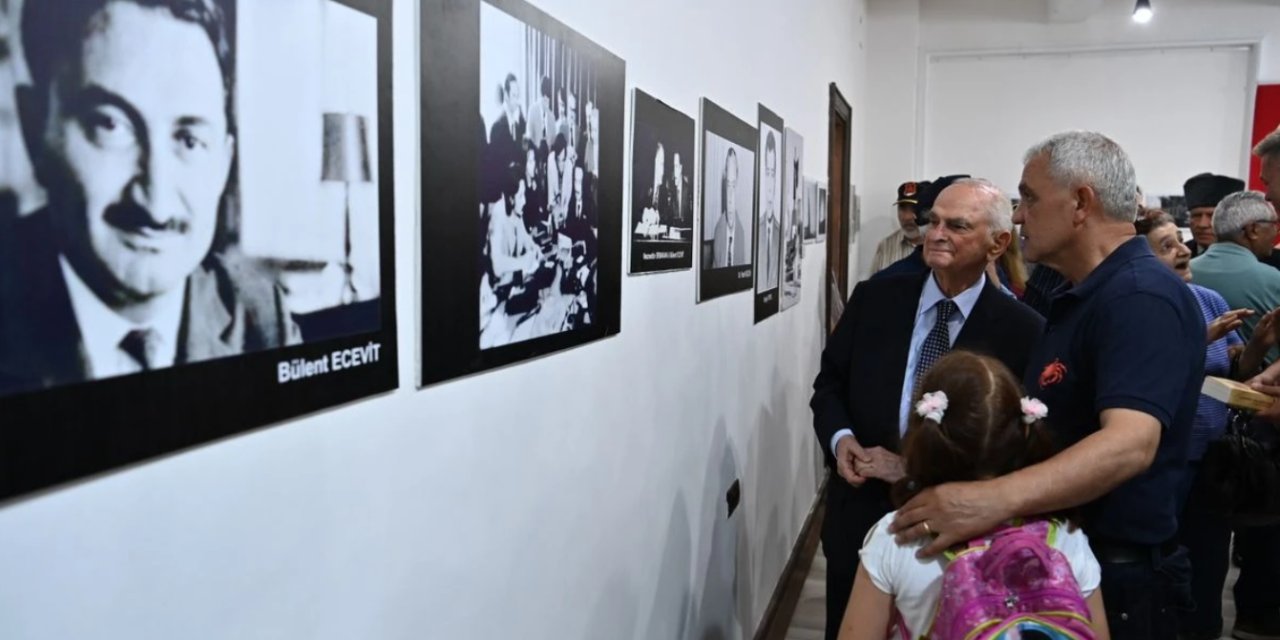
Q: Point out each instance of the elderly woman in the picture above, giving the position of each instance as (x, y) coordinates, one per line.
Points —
(1207, 537)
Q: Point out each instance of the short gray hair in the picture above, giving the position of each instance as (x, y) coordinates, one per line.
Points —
(1086, 158)
(1238, 211)
(1268, 147)
(998, 207)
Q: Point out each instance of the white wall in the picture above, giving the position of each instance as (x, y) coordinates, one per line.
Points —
(493, 507)
(970, 26)
(981, 112)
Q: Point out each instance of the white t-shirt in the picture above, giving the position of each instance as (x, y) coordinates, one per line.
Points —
(916, 584)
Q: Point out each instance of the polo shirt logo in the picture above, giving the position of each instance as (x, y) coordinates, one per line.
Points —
(1053, 373)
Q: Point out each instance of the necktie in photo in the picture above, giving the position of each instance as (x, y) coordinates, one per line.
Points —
(728, 259)
(936, 344)
(143, 345)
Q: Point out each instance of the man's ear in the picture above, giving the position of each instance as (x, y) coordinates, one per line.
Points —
(33, 114)
(999, 244)
(1086, 200)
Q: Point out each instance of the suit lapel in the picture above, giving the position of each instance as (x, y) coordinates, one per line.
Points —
(983, 320)
(209, 329)
(901, 306)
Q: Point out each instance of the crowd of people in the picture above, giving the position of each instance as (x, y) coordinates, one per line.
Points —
(1071, 503)
(538, 215)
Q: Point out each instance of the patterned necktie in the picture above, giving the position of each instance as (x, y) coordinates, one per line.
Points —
(936, 344)
(143, 345)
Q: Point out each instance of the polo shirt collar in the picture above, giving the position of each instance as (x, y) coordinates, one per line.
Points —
(1127, 252)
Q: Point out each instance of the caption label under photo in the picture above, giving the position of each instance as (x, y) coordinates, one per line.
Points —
(663, 255)
(301, 368)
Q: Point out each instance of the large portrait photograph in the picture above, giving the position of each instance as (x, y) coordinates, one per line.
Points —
(662, 162)
(792, 217)
(768, 219)
(728, 203)
(522, 139)
(195, 223)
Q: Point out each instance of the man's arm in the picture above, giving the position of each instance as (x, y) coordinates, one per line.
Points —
(831, 385)
(1123, 448)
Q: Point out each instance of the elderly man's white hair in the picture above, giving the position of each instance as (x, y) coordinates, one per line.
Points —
(996, 204)
(1238, 211)
(1086, 158)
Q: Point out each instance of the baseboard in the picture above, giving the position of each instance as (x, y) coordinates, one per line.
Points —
(786, 594)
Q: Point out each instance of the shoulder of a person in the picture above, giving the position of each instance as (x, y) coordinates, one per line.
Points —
(245, 281)
(887, 281)
(879, 533)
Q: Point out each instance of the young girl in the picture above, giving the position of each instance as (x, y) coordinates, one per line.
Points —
(970, 423)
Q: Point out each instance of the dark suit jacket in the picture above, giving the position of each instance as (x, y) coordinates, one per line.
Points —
(231, 307)
(860, 384)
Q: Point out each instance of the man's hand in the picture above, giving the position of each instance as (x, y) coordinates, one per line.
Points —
(849, 455)
(1268, 382)
(1226, 323)
(953, 513)
(882, 464)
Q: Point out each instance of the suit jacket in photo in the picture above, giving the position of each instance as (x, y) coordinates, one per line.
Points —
(720, 243)
(679, 201)
(505, 147)
(231, 308)
(767, 253)
(859, 386)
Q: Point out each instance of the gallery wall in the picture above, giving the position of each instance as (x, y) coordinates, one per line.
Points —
(580, 495)
(927, 27)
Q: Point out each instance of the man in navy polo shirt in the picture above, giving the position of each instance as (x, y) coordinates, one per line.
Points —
(1119, 366)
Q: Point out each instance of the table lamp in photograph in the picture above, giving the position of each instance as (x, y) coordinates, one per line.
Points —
(346, 160)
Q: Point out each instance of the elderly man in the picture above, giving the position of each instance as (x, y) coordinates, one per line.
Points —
(1245, 225)
(128, 122)
(1119, 367)
(908, 236)
(892, 330)
(1201, 193)
(914, 263)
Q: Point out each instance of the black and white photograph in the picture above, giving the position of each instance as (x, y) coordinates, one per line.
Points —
(522, 191)
(662, 162)
(810, 222)
(855, 214)
(728, 199)
(822, 211)
(190, 212)
(768, 218)
(792, 216)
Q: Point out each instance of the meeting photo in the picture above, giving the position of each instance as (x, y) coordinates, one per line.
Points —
(538, 183)
(662, 164)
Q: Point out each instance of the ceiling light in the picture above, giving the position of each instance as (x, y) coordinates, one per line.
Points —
(1142, 12)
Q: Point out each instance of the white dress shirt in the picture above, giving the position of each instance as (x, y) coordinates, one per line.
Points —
(102, 330)
(926, 316)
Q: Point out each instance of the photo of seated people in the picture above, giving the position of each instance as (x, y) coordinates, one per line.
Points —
(538, 175)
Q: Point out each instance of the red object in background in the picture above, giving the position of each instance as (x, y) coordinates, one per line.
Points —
(1266, 118)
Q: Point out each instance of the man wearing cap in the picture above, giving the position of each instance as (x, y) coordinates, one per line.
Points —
(903, 241)
(1202, 193)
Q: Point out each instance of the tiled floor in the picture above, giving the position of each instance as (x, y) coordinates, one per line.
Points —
(811, 611)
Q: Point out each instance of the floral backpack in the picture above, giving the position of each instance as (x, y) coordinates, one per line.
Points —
(1011, 585)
